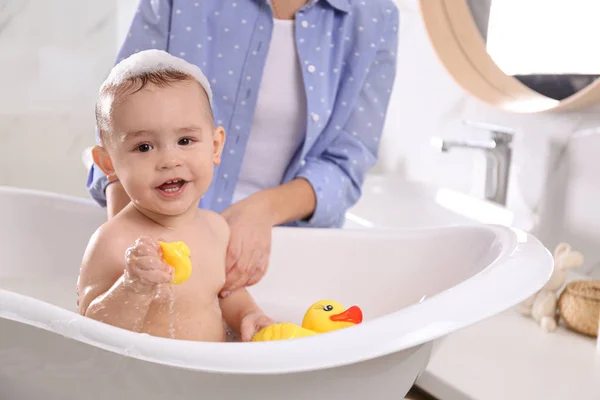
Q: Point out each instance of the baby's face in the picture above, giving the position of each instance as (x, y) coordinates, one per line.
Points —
(164, 146)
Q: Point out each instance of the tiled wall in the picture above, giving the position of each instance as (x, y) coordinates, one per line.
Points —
(54, 55)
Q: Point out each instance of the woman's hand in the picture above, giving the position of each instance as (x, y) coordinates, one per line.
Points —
(250, 222)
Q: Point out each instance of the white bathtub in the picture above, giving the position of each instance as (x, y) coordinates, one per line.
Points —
(414, 286)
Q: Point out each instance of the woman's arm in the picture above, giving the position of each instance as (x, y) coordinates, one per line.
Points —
(327, 184)
(338, 173)
(291, 201)
(149, 30)
(251, 221)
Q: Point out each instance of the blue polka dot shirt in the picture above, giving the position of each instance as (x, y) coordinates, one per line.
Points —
(347, 50)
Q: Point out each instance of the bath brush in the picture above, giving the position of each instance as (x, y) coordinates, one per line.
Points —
(177, 255)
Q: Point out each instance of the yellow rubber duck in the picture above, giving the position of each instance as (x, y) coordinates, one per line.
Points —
(177, 255)
(323, 316)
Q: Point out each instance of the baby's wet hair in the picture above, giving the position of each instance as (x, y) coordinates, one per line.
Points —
(111, 95)
(148, 67)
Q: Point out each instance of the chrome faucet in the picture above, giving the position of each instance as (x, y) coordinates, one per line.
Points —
(498, 154)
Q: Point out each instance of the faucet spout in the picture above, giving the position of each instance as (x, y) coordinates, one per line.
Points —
(448, 144)
(498, 154)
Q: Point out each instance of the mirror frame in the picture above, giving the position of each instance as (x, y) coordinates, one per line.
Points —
(461, 49)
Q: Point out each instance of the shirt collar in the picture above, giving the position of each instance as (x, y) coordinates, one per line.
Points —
(342, 5)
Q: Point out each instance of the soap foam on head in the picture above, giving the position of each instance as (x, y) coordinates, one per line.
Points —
(138, 67)
(153, 60)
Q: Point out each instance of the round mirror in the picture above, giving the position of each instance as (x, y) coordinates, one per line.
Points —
(520, 55)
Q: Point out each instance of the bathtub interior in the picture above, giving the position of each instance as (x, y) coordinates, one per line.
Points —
(380, 271)
(44, 237)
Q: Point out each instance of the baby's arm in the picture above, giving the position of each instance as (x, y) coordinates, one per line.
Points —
(240, 311)
(237, 306)
(111, 288)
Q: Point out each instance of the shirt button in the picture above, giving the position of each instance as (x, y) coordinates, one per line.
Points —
(302, 163)
(315, 117)
(311, 68)
(304, 24)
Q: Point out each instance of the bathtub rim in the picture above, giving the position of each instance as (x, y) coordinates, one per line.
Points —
(324, 351)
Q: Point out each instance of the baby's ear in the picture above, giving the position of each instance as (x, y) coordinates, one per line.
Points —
(103, 161)
(218, 143)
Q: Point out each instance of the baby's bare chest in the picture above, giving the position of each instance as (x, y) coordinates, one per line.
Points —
(207, 255)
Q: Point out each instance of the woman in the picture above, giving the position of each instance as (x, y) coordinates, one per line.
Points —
(301, 88)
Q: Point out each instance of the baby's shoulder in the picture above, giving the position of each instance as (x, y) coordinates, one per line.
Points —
(215, 222)
(101, 248)
(109, 236)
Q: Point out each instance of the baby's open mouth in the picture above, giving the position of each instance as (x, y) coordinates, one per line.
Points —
(172, 187)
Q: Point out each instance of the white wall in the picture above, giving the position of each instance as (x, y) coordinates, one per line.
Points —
(50, 78)
(53, 57)
(427, 102)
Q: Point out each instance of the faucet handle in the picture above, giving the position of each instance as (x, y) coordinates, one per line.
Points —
(500, 133)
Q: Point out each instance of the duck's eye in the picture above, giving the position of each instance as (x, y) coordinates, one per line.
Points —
(328, 307)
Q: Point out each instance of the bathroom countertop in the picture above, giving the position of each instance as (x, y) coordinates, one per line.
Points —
(510, 357)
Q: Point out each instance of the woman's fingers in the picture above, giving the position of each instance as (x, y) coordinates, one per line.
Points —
(262, 262)
(233, 253)
(246, 266)
(260, 271)
(248, 270)
(248, 250)
(233, 276)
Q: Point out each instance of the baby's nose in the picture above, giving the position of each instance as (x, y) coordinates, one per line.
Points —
(169, 161)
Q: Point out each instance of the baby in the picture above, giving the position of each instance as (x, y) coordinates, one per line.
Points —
(158, 139)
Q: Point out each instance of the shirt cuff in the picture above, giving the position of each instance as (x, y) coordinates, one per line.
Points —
(331, 188)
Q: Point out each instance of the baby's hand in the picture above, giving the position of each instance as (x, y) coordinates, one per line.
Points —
(144, 264)
(252, 323)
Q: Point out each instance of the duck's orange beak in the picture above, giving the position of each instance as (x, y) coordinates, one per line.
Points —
(352, 314)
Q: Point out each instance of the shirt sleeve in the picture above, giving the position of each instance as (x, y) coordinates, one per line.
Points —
(149, 30)
(338, 173)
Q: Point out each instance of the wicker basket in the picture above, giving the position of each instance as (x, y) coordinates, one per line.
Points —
(579, 306)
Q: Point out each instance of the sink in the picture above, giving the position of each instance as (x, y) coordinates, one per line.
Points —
(391, 201)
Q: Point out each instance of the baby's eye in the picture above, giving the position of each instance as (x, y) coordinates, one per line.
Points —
(143, 148)
(185, 141)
